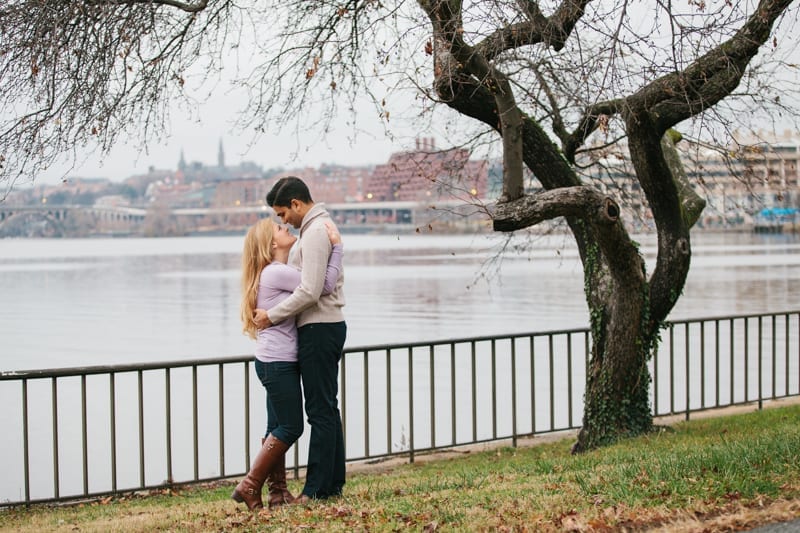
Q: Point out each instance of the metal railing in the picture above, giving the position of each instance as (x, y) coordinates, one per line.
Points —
(95, 431)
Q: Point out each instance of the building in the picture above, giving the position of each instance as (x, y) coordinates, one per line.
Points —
(426, 174)
(754, 172)
(330, 183)
(241, 192)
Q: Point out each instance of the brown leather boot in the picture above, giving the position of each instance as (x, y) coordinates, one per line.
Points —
(276, 481)
(249, 489)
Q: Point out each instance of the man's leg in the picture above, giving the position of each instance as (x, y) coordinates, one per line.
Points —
(335, 489)
(320, 349)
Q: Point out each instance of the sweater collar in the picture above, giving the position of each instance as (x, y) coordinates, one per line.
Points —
(317, 210)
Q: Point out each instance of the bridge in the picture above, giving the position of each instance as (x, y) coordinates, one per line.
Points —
(57, 221)
(65, 220)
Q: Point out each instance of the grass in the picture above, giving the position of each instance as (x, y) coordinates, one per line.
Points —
(714, 474)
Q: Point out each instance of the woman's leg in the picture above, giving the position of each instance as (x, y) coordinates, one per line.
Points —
(285, 424)
(272, 417)
(286, 399)
(285, 396)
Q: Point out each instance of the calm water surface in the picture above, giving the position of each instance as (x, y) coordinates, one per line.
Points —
(94, 302)
(106, 301)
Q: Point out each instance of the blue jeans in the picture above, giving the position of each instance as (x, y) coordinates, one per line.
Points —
(320, 349)
(284, 399)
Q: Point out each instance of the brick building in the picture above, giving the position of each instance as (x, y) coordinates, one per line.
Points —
(427, 174)
(332, 184)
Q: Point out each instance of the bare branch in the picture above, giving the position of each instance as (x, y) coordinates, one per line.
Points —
(582, 202)
(552, 31)
(713, 76)
(183, 6)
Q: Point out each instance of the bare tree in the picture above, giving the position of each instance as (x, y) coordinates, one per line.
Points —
(556, 84)
(81, 74)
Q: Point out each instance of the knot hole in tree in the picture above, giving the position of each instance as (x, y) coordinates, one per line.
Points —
(611, 210)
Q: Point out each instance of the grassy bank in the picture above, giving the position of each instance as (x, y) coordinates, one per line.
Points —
(714, 474)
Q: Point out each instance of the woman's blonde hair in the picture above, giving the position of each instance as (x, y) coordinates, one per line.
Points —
(256, 255)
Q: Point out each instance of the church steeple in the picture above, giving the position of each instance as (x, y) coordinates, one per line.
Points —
(182, 162)
(221, 155)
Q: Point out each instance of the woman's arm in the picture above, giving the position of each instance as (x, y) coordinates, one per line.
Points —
(286, 278)
(334, 269)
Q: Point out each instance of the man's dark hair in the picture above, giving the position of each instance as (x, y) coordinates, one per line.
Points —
(287, 189)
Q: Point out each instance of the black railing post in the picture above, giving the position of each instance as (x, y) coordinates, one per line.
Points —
(411, 404)
(453, 426)
(687, 369)
(366, 403)
(141, 429)
(514, 393)
(113, 423)
(655, 380)
(760, 364)
(389, 400)
(168, 421)
(552, 383)
(432, 393)
(746, 359)
(533, 384)
(702, 365)
(84, 437)
(246, 387)
(195, 445)
(343, 396)
(494, 388)
(671, 369)
(54, 410)
(25, 444)
(221, 417)
(716, 363)
(774, 354)
(474, 400)
(733, 360)
(569, 380)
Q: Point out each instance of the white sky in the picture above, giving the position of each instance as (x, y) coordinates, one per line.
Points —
(199, 139)
(199, 136)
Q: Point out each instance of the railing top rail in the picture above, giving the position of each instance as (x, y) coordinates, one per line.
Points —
(135, 367)
(119, 369)
(731, 317)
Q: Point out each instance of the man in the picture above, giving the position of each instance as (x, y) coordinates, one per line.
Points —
(321, 334)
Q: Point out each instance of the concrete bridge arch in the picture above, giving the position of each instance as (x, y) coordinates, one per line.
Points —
(32, 223)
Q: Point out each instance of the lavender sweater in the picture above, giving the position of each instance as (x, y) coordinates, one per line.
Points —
(278, 281)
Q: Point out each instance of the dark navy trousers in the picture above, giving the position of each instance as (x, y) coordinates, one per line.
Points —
(320, 350)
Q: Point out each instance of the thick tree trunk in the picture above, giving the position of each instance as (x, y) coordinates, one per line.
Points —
(616, 400)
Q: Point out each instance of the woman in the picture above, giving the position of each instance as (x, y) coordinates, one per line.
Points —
(266, 281)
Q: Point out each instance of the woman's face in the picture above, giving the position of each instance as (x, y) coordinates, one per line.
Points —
(281, 237)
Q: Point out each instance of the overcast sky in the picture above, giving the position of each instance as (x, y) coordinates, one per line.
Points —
(199, 137)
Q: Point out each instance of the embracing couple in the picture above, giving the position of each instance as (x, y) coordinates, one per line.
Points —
(292, 307)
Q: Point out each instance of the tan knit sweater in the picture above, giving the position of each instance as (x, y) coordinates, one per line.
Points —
(310, 254)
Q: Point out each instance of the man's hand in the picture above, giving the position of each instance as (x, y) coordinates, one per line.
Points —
(261, 319)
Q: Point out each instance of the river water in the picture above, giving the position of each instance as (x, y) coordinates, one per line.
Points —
(105, 301)
(68, 303)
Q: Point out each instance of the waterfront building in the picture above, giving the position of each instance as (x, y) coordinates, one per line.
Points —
(426, 174)
(754, 172)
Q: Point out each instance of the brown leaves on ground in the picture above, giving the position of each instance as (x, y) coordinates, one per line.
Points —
(729, 517)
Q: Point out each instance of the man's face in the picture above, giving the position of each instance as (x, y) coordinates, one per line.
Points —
(289, 214)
